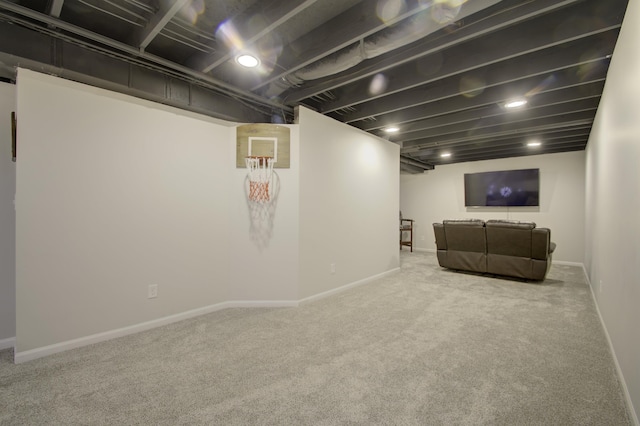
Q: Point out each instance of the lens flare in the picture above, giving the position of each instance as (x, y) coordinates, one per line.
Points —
(378, 84)
(471, 86)
(544, 84)
(446, 11)
(387, 10)
(192, 11)
(589, 66)
(228, 35)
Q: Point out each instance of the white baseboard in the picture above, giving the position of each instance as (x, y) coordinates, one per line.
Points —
(32, 354)
(7, 343)
(346, 287)
(423, 250)
(260, 304)
(625, 389)
(565, 263)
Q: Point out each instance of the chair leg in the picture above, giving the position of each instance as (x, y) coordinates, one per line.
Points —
(411, 236)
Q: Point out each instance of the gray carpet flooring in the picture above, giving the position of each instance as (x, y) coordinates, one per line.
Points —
(423, 346)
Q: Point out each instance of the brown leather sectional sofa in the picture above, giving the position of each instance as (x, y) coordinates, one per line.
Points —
(500, 247)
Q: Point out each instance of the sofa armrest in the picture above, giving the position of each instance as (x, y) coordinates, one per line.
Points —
(541, 245)
(441, 239)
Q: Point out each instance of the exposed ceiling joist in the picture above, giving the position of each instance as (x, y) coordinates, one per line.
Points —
(277, 15)
(56, 8)
(429, 46)
(158, 22)
(440, 72)
(459, 61)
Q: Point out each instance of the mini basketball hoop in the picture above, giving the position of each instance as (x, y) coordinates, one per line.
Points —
(260, 177)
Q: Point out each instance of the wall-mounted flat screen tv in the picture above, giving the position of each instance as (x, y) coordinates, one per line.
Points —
(502, 188)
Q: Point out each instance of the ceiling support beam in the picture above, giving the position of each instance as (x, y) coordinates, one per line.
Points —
(546, 123)
(554, 97)
(539, 86)
(580, 132)
(494, 51)
(470, 151)
(407, 167)
(276, 16)
(544, 63)
(342, 31)
(427, 47)
(122, 48)
(416, 163)
(158, 22)
(513, 151)
(56, 8)
(506, 117)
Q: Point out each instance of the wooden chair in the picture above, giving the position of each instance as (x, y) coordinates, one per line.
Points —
(406, 225)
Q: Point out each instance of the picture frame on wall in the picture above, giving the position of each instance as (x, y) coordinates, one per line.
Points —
(14, 131)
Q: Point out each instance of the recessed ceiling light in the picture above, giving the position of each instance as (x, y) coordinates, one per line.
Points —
(247, 60)
(445, 154)
(533, 144)
(515, 103)
(392, 129)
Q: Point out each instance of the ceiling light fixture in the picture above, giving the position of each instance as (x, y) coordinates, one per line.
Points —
(533, 144)
(391, 129)
(248, 61)
(445, 155)
(515, 103)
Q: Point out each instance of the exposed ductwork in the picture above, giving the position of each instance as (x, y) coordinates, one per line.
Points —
(414, 166)
(437, 16)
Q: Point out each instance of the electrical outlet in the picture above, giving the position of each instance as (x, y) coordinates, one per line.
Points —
(333, 268)
(152, 291)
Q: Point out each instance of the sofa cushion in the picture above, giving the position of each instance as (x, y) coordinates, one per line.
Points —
(509, 239)
(511, 224)
(468, 222)
(465, 235)
(513, 266)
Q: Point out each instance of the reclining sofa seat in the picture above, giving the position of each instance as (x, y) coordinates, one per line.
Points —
(501, 247)
(462, 244)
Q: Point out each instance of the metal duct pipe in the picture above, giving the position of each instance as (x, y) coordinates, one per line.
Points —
(438, 16)
(416, 163)
(125, 48)
(411, 169)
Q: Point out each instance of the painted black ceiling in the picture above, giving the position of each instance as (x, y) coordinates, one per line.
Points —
(439, 70)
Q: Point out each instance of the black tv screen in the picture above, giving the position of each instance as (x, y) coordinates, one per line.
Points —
(502, 188)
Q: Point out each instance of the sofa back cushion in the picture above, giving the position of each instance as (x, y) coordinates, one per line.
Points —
(465, 235)
(509, 238)
(466, 245)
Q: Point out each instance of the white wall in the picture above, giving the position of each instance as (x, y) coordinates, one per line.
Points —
(264, 239)
(114, 194)
(7, 219)
(348, 204)
(439, 194)
(612, 251)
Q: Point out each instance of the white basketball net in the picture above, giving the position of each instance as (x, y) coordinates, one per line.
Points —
(260, 178)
